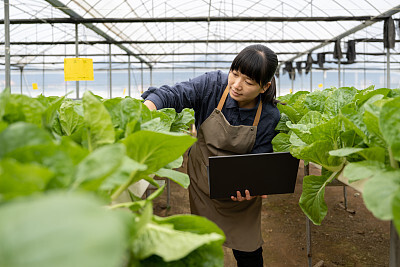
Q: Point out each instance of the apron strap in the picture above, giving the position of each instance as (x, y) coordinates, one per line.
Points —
(222, 102)
(258, 114)
(223, 98)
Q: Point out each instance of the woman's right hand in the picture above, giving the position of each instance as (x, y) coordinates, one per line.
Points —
(150, 105)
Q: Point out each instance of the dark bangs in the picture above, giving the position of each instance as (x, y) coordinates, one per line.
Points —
(252, 64)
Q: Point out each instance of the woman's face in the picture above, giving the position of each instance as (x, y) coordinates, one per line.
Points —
(243, 89)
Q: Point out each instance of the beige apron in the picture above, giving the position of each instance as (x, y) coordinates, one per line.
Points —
(240, 221)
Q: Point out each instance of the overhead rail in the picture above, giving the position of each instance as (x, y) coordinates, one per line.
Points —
(324, 41)
(176, 54)
(74, 19)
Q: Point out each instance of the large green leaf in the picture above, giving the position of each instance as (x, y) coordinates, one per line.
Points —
(312, 198)
(281, 126)
(19, 179)
(183, 120)
(293, 114)
(362, 96)
(21, 134)
(338, 99)
(98, 165)
(156, 149)
(364, 169)
(122, 174)
(209, 255)
(315, 101)
(374, 132)
(281, 143)
(157, 239)
(329, 131)
(71, 117)
(370, 153)
(98, 122)
(23, 108)
(379, 191)
(175, 237)
(389, 122)
(318, 152)
(61, 230)
(158, 124)
(50, 112)
(178, 177)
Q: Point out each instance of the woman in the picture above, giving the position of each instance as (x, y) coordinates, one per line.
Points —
(234, 114)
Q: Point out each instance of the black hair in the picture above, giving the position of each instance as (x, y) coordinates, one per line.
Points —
(259, 63)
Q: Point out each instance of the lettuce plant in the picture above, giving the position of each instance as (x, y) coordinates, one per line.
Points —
(349, 131)
(63, 165)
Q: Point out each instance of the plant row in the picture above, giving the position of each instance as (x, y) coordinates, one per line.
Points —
(63, 166)
(347, 131)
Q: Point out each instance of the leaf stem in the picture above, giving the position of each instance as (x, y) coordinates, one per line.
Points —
(123, 187)
(393, 163)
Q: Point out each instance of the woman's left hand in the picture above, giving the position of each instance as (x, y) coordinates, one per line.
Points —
(239, 196)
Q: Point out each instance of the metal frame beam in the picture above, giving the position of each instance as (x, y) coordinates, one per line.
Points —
(323, 41)
(188, 19)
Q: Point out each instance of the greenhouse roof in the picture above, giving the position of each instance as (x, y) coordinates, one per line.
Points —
(196, 33)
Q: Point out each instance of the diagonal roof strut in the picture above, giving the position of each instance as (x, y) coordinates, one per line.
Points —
(73, 14)
(363, 25)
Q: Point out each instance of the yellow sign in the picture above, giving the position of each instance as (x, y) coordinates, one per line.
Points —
(290, 90)
(124, 91)
(78, 69)
(34, 86)
(320, 85)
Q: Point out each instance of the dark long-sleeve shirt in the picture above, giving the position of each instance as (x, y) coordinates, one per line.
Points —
(203, 94)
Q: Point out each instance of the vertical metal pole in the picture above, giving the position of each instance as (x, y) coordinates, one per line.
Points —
(7, 43)
(43, 81)
(20, 77)
(141, 77)
(109, 71)
(151, 76)
(388, 67)
(279, 83)
(129, 75)
(394, 258)
(292, 82)
(339, 72)
(323, 78)
(76, 55)
(311, 80)
(308, 224)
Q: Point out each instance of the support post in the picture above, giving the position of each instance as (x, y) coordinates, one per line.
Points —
(7, 43)
(151, 76)
(388, 67)
(129, 75)
(394, 260)
(292, 82)
(338, 72)
(20, 77)
(76, 55)
(43, 80)
(141, 77)
(308, 224)
(109, 71)
(310, 80)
